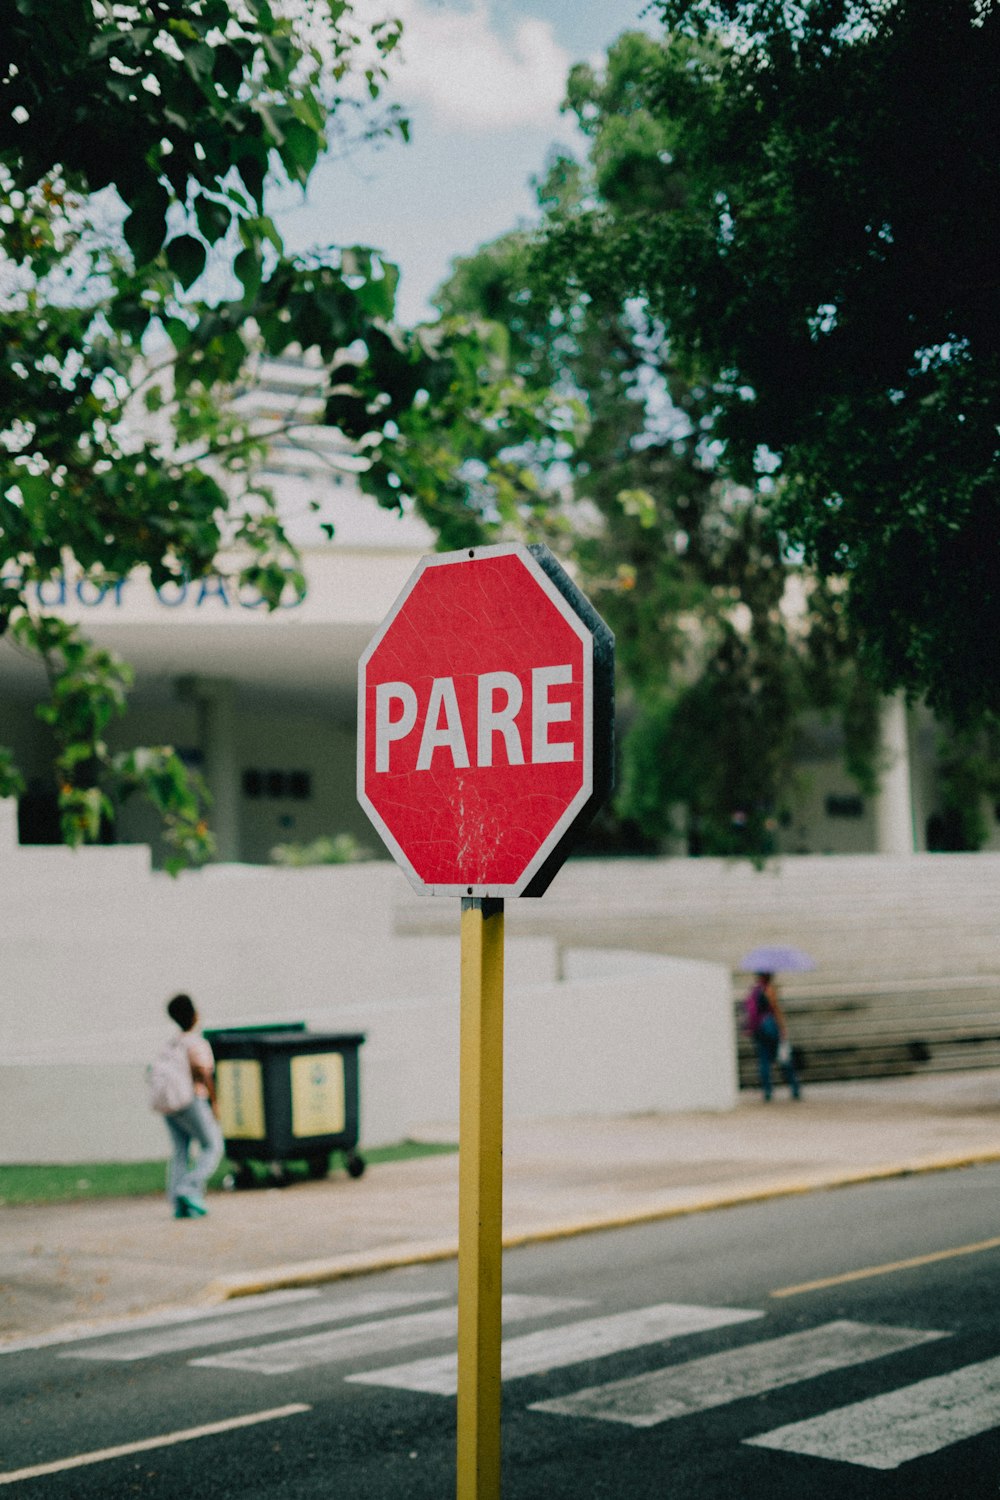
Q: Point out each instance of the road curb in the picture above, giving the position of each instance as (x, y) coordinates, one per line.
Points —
(393, 1257)
(338, 1268)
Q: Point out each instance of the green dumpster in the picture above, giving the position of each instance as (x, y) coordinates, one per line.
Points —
(285, 1095)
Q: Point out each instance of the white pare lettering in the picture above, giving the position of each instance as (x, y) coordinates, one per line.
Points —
(492, 720)
(499, 698)
(544, 713)
(387, 728)
(448, 735)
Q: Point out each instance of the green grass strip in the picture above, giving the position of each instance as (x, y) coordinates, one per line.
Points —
(104, 1179)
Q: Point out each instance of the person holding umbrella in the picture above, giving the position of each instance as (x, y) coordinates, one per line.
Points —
(765, 1020)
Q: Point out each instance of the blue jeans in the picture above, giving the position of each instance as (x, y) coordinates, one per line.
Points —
(193, 1125)
(767, 1039)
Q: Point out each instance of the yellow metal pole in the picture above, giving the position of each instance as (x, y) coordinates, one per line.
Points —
(480, 1175)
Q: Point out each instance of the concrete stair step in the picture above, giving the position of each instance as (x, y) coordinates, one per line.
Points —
(907, 949)
(890, 1060)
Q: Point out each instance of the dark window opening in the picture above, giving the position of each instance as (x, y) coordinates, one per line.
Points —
(844, 806)
(277, 786)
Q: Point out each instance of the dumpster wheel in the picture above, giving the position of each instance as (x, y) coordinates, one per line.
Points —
(355, 1164)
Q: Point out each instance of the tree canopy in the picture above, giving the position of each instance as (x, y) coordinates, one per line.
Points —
(802, 197)
(141, 278)
(683, 562)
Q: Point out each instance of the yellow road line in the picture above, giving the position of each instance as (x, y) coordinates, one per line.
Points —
(887, 1269)
(146, 1445)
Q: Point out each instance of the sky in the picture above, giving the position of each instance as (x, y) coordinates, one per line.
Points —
(481, 82)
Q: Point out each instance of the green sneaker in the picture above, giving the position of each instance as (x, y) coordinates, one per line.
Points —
(193, 1208)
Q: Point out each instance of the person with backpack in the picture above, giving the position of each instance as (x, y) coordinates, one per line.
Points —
(182, 1089)
(764, 1021)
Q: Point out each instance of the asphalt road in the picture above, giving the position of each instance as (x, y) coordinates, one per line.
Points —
(694, 1359)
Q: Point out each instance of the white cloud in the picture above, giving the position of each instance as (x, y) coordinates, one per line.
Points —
(470, 77)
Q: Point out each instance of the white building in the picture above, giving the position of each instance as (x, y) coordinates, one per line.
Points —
(264, 703)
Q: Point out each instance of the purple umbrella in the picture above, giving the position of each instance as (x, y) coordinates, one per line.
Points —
(776, 960)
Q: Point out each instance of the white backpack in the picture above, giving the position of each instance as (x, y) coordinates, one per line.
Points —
(168, 1078)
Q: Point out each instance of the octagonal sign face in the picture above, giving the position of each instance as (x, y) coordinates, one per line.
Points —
(476, 721)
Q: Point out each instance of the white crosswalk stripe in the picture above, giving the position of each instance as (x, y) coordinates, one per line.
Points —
(880, 1433)
(254, 1324)
(734, 1374)
(569, 1344)
(901, 1425)
(165, 1317)
(363, 1339)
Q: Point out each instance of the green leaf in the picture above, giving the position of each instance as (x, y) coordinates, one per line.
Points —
(378, 294)
(178, 333)
(36, 492)
(228, 68)
(186, 258)
(300, 149)
(199, 61)
(213, 218)
(82, 812)
(252, 166)
(145, 228)
(640, 504)
(258, 230)
(11, 780)
(249, 269)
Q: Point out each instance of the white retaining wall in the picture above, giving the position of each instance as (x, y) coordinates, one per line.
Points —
(93, 943)
(867, 919)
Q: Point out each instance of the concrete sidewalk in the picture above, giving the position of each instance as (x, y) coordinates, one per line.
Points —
(91, 1262)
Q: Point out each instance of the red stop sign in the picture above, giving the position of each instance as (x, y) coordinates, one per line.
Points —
(485, 722)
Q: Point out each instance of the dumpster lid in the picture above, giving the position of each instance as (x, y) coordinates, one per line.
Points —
(255, 1029)
(295, 1034)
